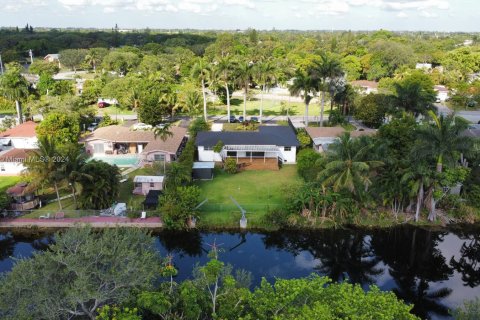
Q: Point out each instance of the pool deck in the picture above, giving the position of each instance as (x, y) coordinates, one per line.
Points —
(94, 222)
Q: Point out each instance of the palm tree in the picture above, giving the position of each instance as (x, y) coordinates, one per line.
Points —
(163, 131)
(244, 73)
(92, 59)
(304, 85)
(72, 169)
(325, 72)
(14, 86)
(443, 142)
(44, 165)
(201, 71)
(414, 98)
(226, 67)
(191, 102)
(348, 168)
(177, 175)
(266, 73)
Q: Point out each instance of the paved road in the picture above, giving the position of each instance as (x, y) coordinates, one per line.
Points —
(472, 116)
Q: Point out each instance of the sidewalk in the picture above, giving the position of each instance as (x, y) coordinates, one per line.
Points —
(95, 222)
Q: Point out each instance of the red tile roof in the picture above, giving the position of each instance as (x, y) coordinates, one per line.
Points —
(365, 83)
(24, 130)
(15, 155)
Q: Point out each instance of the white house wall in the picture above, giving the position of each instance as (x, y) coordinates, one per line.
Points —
(290, 156)
(20, 143)
(11, 168)
(208, 155)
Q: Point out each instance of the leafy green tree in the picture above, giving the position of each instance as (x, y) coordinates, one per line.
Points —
(178, 205)
(123, 89)
(200, 73)
(13, 86)
(230, 166)
(305, 86)
(72, 58)
(41, 67)
(197, 126)
(121, 62)
(352, 66)
(95, 57)
(309, 164)
(415, 94)
(372, 109)
(100, 185)
(72, 167)
(119, 261)
(386, 57)
(63, 128)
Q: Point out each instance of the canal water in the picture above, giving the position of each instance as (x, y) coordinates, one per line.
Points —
(434, 270)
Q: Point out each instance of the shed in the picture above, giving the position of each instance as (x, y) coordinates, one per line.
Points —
(143, 184)
(203, 170)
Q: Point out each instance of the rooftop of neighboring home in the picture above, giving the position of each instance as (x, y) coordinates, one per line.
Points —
(440, 88)
(14, 155)
(148, 179)
(55, 56)
(19, 189)
(365, 83)
(24, 130)
(266, 135)
(125, 135)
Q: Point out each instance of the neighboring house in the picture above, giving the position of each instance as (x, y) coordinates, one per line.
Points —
(325, 136)
(22, 136)
(365, 86)
(14, 146)
(22, 197)
(442, 93)
(262, 149)
(12, 161)
(118, 140)
(143, 184)
(424, 66)
(53, 57)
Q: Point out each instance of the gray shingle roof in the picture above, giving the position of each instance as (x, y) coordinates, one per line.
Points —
(266, 135)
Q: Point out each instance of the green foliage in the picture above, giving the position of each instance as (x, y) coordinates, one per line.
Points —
(230, 166)
(42, 67)
(415, 94)
(372, 109)
(72, 58)
(118, 313)
(309, 164)
(107, 121)
(7, 123)
(469, 311)
(100, 185)
(121, 62)
(197, 125)
(13, 86)
(63, 128)
(218, 147)
(66, 285)
(336, 118)
(178, 205)
(304, 139)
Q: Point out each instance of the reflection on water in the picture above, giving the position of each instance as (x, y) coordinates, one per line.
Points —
(434, 270)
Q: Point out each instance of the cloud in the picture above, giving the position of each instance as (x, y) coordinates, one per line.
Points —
(402, 14)
(17, 5)
(332, 7)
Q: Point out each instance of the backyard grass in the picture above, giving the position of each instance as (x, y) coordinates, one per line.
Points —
(255, 191)
(270, 108)
(7, 182)
(133, 202)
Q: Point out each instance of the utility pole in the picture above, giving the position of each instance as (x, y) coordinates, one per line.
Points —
(31, 55)
(1, 64)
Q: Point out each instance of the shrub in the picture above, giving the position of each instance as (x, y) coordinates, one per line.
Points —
(309, 164)
(304, 139)
(336, 118)
(198, 125)
(277, 217)
(231, 166)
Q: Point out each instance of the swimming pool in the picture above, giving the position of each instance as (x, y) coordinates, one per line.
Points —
(120, 161)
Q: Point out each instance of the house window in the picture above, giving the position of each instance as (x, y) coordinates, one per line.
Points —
(231, 153)
(208, 148)
(159, 157)
(255, 154)
(2, 167)
(98, 148)
(287, 148)
(152, 184)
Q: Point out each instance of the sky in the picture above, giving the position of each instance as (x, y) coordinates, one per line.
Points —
(427, 15)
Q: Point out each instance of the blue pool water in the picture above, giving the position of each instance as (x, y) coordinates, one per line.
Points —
(121, 161)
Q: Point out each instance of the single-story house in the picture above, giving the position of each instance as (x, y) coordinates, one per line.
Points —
(203, 170)
(365, 86)
(53, 57)
(119, 140)
(143, 184)
(22, 136)
(322, 137)
(22, 197)
(442, 93)
(12, 161)
(266, 147)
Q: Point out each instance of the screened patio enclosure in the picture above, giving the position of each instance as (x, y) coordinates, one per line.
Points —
(245, 152)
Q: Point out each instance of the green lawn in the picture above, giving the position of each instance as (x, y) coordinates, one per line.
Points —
(7, 182)
(270, 108)
(255, 191)
(126, 188)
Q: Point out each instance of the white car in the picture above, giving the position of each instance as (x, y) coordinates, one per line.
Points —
(92, 127)
(141, 126)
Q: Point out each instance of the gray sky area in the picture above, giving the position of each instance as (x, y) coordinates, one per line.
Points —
(431, 15)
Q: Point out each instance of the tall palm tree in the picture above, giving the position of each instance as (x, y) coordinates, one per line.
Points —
(244, 73)
(14, 86)
(326, 71)
(226, 67)
(266, 73)
(348, 168)
(163, 131)
(72, 169)
(191, 102)
(304, 85)
(92, 59)
(177, 175)
(443, 142)
(44, 165)
(414, 98)
(200, 71)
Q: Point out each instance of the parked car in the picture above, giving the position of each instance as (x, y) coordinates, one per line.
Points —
(103, 104)
(233, 119)
(241, 119)
(141, 126)
(254, 119)
(92, 127)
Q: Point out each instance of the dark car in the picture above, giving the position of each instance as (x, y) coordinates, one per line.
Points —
(254, 119)
(103, 104)
(233, 119)
(241, 119)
